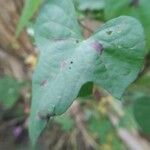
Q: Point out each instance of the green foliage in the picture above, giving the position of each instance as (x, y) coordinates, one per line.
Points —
(144, 82)
(111, 58)
(86, 90)
(29, 9)
(141, 112)
(102, 129)
(9, 91)
(139, 10)
(65, 121)
(100, 126)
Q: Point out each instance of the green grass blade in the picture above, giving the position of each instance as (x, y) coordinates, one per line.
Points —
(29, 9)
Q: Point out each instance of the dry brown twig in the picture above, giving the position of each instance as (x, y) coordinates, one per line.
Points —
(11, 65)
(130, 137)
(9, 16)
(78, 116)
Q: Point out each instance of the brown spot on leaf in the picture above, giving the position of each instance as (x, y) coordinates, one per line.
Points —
(44, 117)
(77, 41)
(109, 32)
(43, 82)
(134, 3)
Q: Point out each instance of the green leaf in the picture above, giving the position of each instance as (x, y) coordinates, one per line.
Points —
(144, 81)
(125, 7)
(103, 130)
(112, 58)
(9, 91)
(86, 90)
(91, 4)
(100, 126)
(141, 112)
(29, 9)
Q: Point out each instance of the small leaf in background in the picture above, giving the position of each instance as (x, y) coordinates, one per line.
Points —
(111, 58)
(144, 82)
(9, 91)
(91, 4)
(142, 113)
(30, 7)
(102, 129)
(138, 9)
(86, 90)
(65, 121)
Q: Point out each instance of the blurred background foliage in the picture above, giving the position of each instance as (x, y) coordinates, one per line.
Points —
(95, 121)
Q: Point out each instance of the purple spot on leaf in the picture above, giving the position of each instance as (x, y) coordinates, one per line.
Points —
(63, 65)
(98, 47)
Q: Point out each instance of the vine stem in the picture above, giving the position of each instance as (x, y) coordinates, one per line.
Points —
(77, 114)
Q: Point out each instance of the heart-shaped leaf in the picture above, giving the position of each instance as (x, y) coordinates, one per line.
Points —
(112, 58)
